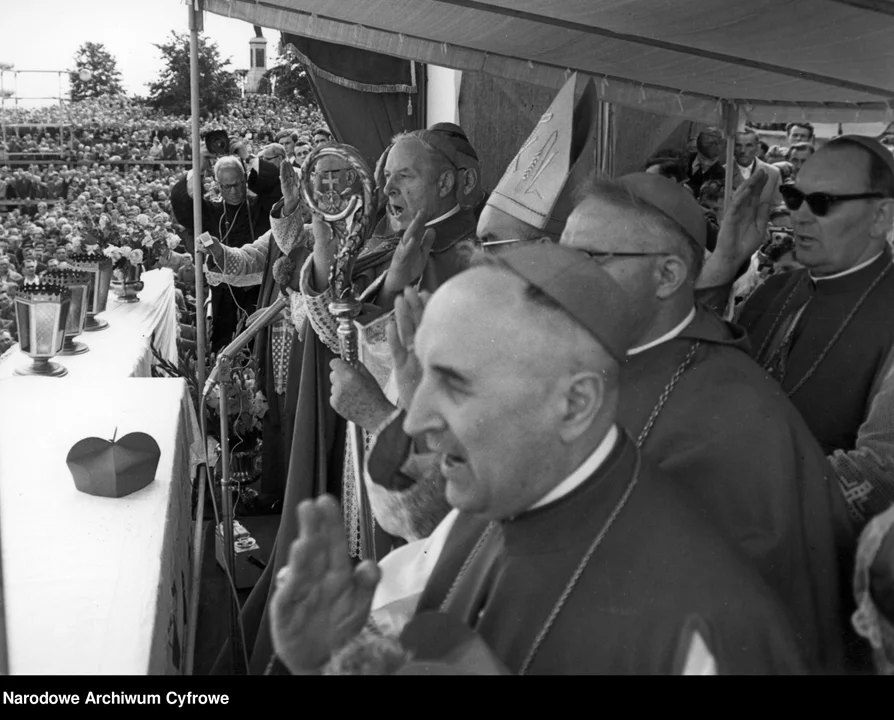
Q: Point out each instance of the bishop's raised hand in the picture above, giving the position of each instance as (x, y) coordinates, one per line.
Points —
(410, 258)
(290, 181)
(408, 310)
(321, 601)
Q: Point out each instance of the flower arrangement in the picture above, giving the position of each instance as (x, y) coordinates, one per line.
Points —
(140, 243)
(246, 404)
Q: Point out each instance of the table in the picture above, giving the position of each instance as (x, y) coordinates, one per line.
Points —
(122, 349)
(95, 585)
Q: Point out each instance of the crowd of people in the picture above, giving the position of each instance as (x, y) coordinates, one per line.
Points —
(605, 425)
(580, 453)
(125, 161)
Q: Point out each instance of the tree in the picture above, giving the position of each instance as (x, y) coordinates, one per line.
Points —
(288, 79)
(95, 73)
(217, 85)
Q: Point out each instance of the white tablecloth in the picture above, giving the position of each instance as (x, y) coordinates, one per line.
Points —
(94, 585)
(122, 349)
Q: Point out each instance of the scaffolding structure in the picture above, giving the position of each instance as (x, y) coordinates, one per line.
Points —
(10, 97)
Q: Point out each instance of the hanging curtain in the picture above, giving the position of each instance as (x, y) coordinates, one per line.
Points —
(366, 97)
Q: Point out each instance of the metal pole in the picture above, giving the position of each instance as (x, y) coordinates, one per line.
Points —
(4, 643)
(227, 509)
(731, 125)
(196, 569)
(195, 25)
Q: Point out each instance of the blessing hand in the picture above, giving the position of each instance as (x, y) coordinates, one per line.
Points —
(357, 397)
(743, 228)
(290, 181)
(320, 602)
(408, 310)
(410, 257)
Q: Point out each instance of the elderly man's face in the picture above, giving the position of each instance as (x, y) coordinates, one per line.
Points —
(842, 238)
(598, 226)
(488, 401)
(28, 253)
(798, 134)
(747, 145)
(231, 186)
(413, 184)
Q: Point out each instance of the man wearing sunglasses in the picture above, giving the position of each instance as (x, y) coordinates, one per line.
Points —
(825, 332)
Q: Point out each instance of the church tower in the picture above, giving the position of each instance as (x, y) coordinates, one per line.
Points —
(257, 62)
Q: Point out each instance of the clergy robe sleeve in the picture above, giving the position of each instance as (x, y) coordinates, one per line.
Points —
(317, 305)
(243, 266)
(866, 473)
(288, 230)
(405, 488)
(868, 620)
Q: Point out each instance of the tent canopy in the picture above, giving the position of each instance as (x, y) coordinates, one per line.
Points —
(823, 60)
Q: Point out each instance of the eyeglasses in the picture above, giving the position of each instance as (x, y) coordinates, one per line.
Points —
(604, 257)
(819, 203)
(231, 186)
(490, 244)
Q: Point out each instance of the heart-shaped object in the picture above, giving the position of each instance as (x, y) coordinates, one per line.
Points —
(110, 468)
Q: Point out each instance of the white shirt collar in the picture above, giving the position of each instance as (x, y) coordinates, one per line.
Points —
(449, 213)
(848, 272)
(589, 466)
(746, 170)
(667, 336)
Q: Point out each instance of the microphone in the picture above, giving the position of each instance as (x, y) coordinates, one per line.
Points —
(245, 337)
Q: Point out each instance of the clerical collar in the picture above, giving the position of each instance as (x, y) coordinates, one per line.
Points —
(440, 218)
(854, 269)
(667, 336)
(579, 476)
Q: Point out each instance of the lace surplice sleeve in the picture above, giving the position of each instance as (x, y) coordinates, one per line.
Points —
(243, 266)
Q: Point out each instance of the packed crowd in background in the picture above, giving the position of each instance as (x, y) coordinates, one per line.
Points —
(118, 159)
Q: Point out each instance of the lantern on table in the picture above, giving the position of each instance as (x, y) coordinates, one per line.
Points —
(78, 282)
(41, 315)
(99, 267)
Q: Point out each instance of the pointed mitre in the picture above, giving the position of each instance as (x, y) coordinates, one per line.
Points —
(538, 186)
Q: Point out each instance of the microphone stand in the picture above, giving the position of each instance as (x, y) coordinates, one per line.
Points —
(222, 375)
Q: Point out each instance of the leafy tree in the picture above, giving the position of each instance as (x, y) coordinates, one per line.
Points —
(95, 73)
(217, 85)
(288, 79)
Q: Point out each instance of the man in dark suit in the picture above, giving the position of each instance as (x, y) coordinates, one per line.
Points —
(706, 165)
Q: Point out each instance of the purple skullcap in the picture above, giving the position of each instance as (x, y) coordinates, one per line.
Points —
(584, 291)
(869, 144)
(672, 200)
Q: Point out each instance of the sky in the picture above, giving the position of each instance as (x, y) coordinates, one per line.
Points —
(44, 35)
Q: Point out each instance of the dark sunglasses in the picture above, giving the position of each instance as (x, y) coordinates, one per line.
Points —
(819, 203)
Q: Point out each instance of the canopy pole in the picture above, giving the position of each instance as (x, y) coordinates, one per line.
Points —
(195, 25)
(731, 125)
